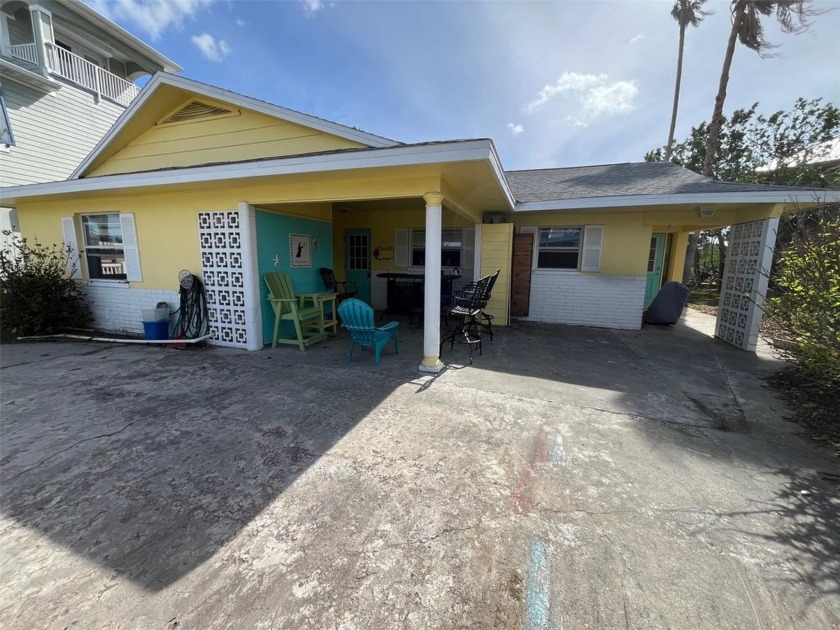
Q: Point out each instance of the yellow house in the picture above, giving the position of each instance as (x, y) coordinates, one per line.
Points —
(193, 177)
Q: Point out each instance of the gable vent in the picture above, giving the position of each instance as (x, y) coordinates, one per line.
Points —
(195, 111)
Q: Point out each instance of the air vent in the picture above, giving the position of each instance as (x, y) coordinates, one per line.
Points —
(195, 111)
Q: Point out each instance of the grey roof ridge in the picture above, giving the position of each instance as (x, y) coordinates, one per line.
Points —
(569, 168)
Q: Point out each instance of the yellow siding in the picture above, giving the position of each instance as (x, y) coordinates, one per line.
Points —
(624, 250)
(167, 238)
(497, 254)
(679, 242)
(167, 222)
(232, 138)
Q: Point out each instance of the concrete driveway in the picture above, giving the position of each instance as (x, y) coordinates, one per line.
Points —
(570, 478)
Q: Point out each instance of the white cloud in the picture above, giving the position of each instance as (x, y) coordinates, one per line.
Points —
(210, 47)
(515, 128)
(311, 7)
(569, 82)
(153, 16)
(240, 22)
(595, 94)
(637, 38)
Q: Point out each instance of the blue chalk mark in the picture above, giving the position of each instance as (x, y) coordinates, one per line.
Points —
(536, 589)
(558, 453)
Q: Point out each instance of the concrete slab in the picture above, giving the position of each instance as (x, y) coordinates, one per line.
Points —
(570, 478)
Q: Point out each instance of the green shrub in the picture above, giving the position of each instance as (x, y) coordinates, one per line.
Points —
(36, 295)
(805, 301)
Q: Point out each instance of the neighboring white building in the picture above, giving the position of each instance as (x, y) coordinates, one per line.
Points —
(66, 74)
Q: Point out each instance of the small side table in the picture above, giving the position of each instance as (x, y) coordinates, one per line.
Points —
(332, 322)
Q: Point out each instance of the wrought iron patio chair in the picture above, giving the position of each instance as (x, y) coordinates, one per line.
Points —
(467, 313)
(484, 320)
(339, 287)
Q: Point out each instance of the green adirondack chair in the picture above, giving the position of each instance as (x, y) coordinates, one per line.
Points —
(304, 311)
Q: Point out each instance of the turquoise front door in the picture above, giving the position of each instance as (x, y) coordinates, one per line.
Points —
(357, 261)
(654, 267)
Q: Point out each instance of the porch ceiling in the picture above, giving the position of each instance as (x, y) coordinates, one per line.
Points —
(469, 189)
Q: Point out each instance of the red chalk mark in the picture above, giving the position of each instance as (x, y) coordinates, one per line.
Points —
(522, 497)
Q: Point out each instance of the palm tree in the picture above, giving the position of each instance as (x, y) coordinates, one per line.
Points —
(747, 28)
(686, 13)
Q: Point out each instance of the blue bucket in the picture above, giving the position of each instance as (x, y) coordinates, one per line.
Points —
(156, 331)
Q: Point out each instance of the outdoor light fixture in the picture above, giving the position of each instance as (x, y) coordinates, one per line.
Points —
(705, 212)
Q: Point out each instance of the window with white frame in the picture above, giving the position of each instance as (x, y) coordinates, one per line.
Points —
(103, 243)
(451, 247)
(559, 247)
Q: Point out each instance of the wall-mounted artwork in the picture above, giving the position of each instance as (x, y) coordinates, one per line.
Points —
(300, 251)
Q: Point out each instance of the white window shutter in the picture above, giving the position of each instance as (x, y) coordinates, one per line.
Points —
(74, 263)
(468, 253)
(401, 247)
(532, 229)
(130, 249)
(590, 256)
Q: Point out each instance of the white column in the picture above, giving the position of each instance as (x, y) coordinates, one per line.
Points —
(477, 254)
(431, 315)
(42, 31)
(5, 41)
(745, 278)
(251, 275)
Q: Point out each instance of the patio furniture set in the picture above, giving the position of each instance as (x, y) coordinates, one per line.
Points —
(306, 312)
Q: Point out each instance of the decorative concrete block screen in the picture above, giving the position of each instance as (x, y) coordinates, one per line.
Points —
(748, 261)
(220, 237)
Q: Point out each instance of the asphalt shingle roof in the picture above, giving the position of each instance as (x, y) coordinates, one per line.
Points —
(615, 180)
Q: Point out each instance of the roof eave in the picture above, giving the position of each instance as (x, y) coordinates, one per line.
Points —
(814, 197)
(473, 150)
(30, 78)
(121, 34)
(499, 174)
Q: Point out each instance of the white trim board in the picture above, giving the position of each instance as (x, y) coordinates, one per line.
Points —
(633, 201)
(456, 151)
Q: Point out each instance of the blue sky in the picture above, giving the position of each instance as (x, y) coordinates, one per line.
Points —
(559, 83)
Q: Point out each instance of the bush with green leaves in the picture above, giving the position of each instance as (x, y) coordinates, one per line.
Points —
(36, 295)
(805, 300)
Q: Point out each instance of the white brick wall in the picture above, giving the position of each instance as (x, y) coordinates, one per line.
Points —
(118, 309)
(587, 299)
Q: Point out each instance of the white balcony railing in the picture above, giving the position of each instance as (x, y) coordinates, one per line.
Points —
(27, 52)
(89, 75)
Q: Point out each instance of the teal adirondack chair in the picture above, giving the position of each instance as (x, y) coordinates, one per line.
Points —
(357, 318)
(308, 319)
